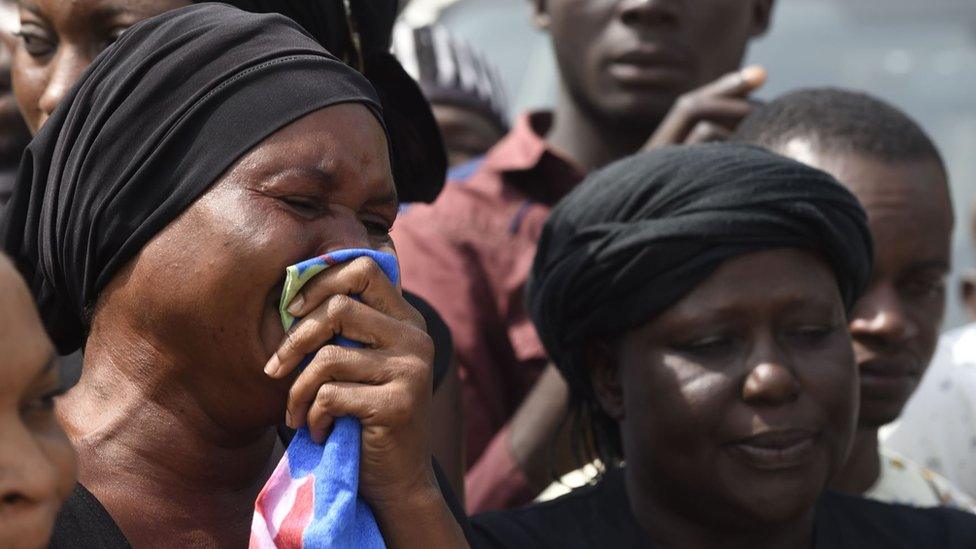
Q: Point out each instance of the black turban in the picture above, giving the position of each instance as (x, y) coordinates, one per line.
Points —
(640, 234)
(362, 38)
(151, 124)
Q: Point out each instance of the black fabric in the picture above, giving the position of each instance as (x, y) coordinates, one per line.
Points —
(600, 516)
(151, 124)
(638, 235)
(419, 157)
(439, 333)
(84, 522)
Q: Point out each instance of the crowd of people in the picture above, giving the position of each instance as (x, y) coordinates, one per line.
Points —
(662, 314)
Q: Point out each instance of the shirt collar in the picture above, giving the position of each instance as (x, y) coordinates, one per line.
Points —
(525, 155)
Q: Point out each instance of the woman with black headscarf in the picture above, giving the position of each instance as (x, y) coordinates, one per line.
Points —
(154, 214)
(695, 300)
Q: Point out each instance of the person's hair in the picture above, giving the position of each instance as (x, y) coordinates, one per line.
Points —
(839, 121)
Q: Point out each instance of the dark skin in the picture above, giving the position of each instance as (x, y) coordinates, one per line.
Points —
(37, 464)
(735, 407)
(185, 348)
(896, 324)
(467, 133)
(634, 75)
(13, 132)
(59, 39)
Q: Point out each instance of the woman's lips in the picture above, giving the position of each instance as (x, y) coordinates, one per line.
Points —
(776, 450)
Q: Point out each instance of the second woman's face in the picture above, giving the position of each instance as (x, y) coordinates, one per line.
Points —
(60, 38)
(204, 292)
(738, 403)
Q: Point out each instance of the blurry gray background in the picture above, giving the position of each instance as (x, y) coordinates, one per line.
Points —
(918, 54)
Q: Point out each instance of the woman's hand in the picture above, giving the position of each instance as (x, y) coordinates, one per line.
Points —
(386, 384)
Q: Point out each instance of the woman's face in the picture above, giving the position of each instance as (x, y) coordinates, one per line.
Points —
(60, 38)
(37, 464)
(204, 292)
(738, 403)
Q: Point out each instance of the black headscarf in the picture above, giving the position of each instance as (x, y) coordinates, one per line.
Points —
(362, 38)
(151, 124)
(640, 234)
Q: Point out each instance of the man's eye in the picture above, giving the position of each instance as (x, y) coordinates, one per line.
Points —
(35, 44)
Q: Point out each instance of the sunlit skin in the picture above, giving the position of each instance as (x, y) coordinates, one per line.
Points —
(736, 405)
(60, 38)
(624, 65)
(896, 324)
(37, 464)
(182, 337)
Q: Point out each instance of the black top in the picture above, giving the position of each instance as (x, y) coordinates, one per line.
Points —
(600, 516)
(84, 523)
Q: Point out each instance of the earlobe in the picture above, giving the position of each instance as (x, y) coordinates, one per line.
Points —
(762, 15)
(601, 361)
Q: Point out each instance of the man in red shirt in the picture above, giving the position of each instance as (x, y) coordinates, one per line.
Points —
(633, 74)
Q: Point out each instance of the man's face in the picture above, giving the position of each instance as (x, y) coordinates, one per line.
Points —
(628, 61)
(895, 325)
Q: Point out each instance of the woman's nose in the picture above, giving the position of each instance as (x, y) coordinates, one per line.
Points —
(770, 380)
(28, 477)
(65, 69)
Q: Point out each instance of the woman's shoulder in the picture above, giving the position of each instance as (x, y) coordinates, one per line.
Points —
(84, 522)
(851, 521)
(592, 516)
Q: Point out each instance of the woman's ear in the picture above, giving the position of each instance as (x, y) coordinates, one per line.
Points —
(602, 365)
(540, 14)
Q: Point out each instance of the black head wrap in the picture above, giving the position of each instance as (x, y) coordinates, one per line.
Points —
(640, 234)
(151, 124)
(360, 33)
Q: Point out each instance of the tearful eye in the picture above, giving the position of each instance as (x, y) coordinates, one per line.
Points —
(376, 227)
(302, 205)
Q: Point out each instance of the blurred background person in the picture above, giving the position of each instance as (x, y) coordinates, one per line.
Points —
(37, 464)
(13, 131)
(938, 427)
(631, 75)
(463, 86)
(896, 172)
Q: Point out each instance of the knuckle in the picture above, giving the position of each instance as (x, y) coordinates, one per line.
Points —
(689, 102)
(325, 398)
(339, 305)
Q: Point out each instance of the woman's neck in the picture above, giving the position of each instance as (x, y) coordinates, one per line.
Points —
(669, 527)
(586, 139)
(863, 466)
(147, 449)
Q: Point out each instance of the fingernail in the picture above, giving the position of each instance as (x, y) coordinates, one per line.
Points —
(754, 74)
(271, 368)
(295, 306)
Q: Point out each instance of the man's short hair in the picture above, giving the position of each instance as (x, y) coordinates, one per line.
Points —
(839, 121)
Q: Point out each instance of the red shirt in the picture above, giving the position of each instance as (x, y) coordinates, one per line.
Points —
(469, 254)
